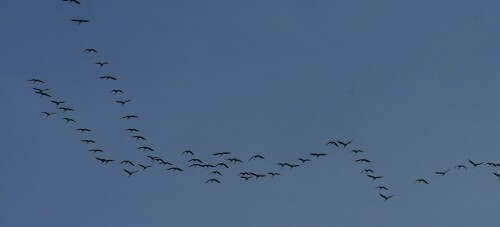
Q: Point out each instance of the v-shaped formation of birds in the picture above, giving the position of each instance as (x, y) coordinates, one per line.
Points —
(130, 168)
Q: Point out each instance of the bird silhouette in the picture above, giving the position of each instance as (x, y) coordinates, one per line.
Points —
(362, 160)
(153, 158)
(385, 197)
(460, 166)
(96, 150)
(69, 119)
(57, 102)
(108, 78)
(70, 1)
(374, 177)
(235, 160)
(139, 138)
(90, 50)
(129, 117)
(101, 64)
(317, 154)
(303, 160)
(195, 160)
(246, 177)
(212, 180)
(116, 91)
(144, 167)
(125, 162)
(42, 94)
(215, 172)
(442, 173)
(187, 152)
(123, 102)
(104, 161)
(130, 173)
(222, 164)
(162, 162)
(475, 164)
(175, 169)
(283, 164)
(80, 21)
(64, 109)
(332, 143)
(256, 157)
(144, 148)
(356, 151)
(421, 181)
(221, 153)
(47, 114)
(344, 144)
(367, 171)
(380, 187)
(82, 130)
(36, 81)
(132, 130)
(88, 141)
(273, 174)
(39, 90)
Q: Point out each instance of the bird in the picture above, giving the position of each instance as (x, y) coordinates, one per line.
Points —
(90, 50)
(104, 161)
(48, 113)
(385, 197)
(127, 162)
(292, 165)
(374, 177)
(475, 164)
(38, 90)
(221, 153)
(130, 172)
(129, 117)
(356, 151)
(332, 143)
(235, 160)
(195, 160)
(212, 180)
(258, 175)
(344, 144)
(139, 138)
(96, 150)
(246, 177)
(108, 78)
(88, 141)
(153, 158)
(381, 187)
(116, 91)
(421, 180)
(80, 21)
(144, 148)
(83, 130)
(64, 109)
(367, 171)
(317, 154)
(123, 102)
(36, 81)
(222, 164)
(256, 157)
(143, 166)
(162, 162)
(43, 94)
(498, 175)
(175, 169)
(283, 164)
(460, 166)
(57, 102)
(303, 160)
(442, 173)
(362, 160)
(273, 174)
(196, 165)
(70, 1)
(216, 173)
(187, 152)
(132, 130)
(69, 120)
(101, 64)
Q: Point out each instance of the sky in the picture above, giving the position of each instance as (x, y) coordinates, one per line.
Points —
(412, 83)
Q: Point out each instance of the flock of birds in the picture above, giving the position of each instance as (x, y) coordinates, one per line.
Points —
(225, 160)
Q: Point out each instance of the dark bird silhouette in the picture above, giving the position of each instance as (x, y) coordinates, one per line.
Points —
(235, 160)
(125, 162)
(69, 120)
(222, 164)
(257, 157)
(108, 78)
(101, 64)
(367, 171)
(257, 176)
(57, 102)
(187, 152)
(292, 165)
(130, 173)
(196, 165)
(498, 175)
(144, 148)
(442, 173)
(246, 177)
(96, 150)
(139, 138)
(132, 130)
(344, 144)
(153, 158)
(129, 117)
(221, 153)
(104, 161)
(38, 90)
(332, 143)
(283, 164)
(48, 113)
(381, 188)
(212, 180)
(64, 109)
(82, 130)
(90, 50)
(356, 151)
(303, 160)
(175, 169)
(215, 172)
(80, 21)
(317, 154)
(116, 91)
(70, 1)
(144, 167)
(421, 180)
(475, 164)
(362, 160)
(162, 162)
(273, 174)
(36, 81)
(374, 177)
(460, 166)
(385, 197)
(88, 141)
(43, 94)
(123, 102)
(195, 160)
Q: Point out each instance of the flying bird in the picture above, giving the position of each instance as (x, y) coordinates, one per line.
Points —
(212, 180)
(235, 160)
(88, 141)
(222, 164)
(48, 113)
(475, 164)
(57, 102)
(69, 120)
(38, 90)
(129, 117)
(374, 177)
(132, 130)
(421, 181)
(101, 64)
(83, 130)
(362, 160)
(257, 157)
(303, 160)
(385, 197)
(36, 81)
(460, 166)
(116, 91)
(123, 102)
(187, 152)
(195, 160)
(139, 138)
(221, 153)
(64, 109)
(90, 50)
(367, 171)
(127, 162)
(96, 150)
(43, 94)
(332, 143)
(175, 169)
(344, 144)
(104, 161)
(108, 78)
(144, 148)
(216, 173)
(70, 1)
(442, 173)
(143, 166)
(356, 151)
(80, 21)
(381, 188)
(317, 154)
(130, 173)
(273, 174)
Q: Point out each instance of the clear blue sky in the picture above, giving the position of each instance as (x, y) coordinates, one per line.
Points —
(413, 83)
